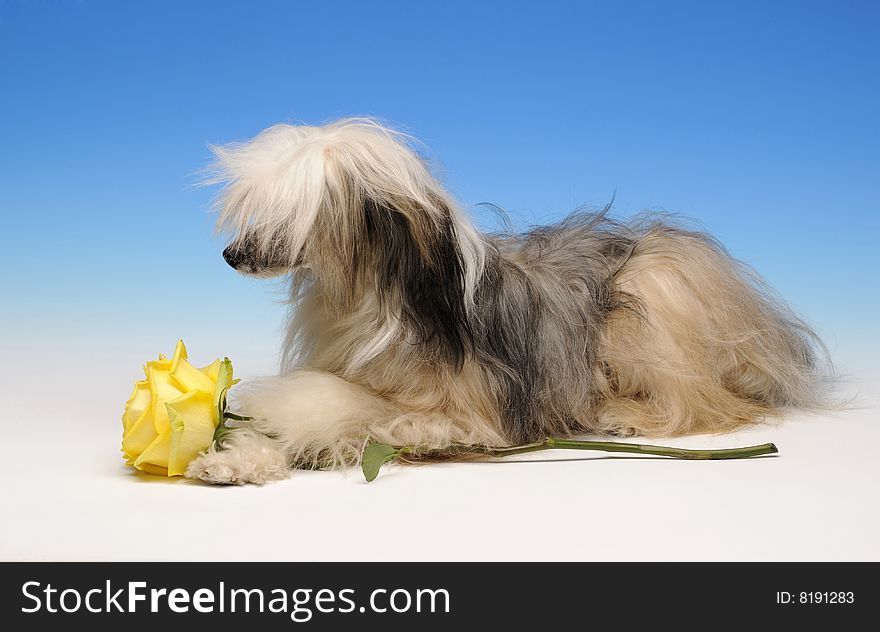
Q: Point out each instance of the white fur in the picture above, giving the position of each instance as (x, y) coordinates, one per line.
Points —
(316, 419)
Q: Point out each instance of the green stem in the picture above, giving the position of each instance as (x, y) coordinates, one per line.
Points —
(552, 443)
(375, 455)
(229, 415)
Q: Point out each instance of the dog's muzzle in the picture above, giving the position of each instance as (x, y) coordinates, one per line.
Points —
(246, 259)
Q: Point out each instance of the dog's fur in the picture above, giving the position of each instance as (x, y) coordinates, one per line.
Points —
(410, 327)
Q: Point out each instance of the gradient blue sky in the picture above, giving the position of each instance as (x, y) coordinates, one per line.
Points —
(758, 119)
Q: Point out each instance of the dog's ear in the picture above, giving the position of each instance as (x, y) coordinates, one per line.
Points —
(421, 268)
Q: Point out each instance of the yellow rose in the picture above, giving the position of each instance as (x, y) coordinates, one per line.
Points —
(171, 416)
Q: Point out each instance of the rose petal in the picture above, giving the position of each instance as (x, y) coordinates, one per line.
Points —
(140, 435)
(136, 405)
(212, 370)
(149, 468)
(163, 389)
(180, 352)
(156, 453)
(189, 378)
(192, 429)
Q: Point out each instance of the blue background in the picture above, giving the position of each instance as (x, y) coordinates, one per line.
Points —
(757, 119)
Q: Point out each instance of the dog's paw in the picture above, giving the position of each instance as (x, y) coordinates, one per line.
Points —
(240, 464)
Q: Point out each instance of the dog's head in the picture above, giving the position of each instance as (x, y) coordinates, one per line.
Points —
(297, 195)
(353, 205)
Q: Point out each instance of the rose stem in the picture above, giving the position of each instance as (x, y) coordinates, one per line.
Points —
(551, 443)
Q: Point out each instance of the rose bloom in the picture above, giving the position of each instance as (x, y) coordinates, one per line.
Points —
(171, 416)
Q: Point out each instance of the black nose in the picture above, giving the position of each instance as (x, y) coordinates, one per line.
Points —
(232, 256)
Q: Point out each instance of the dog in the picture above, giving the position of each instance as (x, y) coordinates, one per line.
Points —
(410, 327)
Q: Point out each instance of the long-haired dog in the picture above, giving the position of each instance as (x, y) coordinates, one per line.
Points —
(410, 327)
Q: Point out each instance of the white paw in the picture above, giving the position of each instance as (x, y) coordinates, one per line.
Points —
(245, 459)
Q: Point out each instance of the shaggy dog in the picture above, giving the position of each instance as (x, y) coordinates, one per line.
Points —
(410, 327)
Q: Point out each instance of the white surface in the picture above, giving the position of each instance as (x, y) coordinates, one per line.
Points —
(68, 496)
